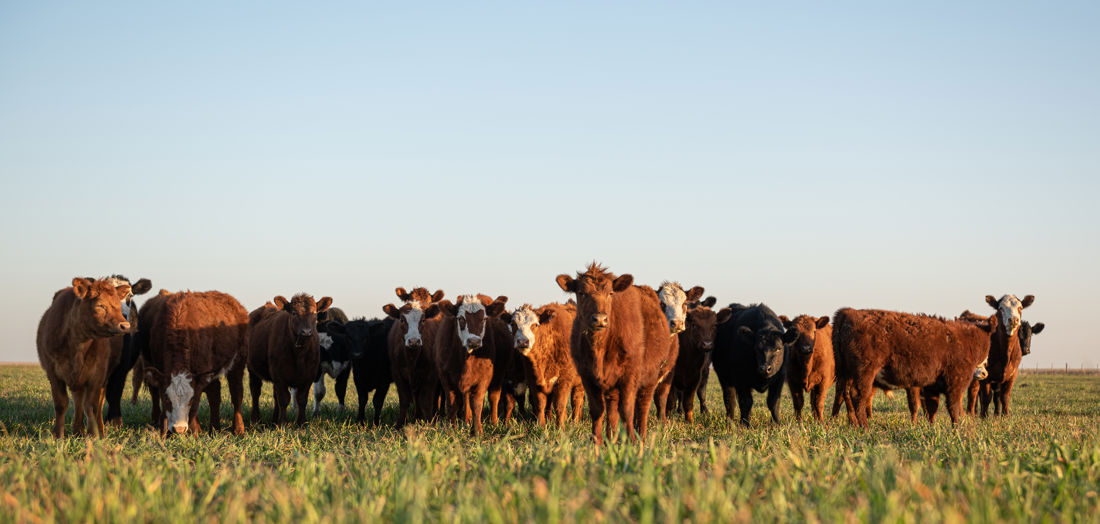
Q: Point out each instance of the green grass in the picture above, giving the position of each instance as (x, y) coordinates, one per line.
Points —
(1041, 464)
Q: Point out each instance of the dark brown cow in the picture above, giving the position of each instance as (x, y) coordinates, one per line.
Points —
(472, 356)
(541, 339)
(903, 350)
(1005, 353)
(621, 345)
(410, 344)
(284, 349)
(810, 364)
(196, 339)
(695, 345)
(74, 348)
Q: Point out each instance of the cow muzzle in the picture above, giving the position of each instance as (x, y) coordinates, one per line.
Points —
(473, 343)
(179, 429)
(599, 321)
(305, 332)
(707, 345)
(122, 327)
(413, 343)
(675, 326)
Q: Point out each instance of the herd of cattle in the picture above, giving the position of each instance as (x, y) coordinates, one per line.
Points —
(623, 347)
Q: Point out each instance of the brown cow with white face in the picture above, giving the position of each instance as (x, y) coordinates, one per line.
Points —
(74, 348)
(541, 340)
(621, 345)
(675, 301)
(284, 349)
(473, 356)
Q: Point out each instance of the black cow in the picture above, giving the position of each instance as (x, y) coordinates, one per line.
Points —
(371, 362)
(124, 345)
(750, 353)
(336, 355)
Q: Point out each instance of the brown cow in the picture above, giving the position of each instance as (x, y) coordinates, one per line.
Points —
(541, 338)
(1005, 353)
(196, 339)
(74, 348)
(695, 345)
(472, 354)
(621, 345)
(903, 350)
(410, 342)
(284, 349)
(810, 365)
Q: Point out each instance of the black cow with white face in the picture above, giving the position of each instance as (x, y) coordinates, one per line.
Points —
(750, 353)
(124, 346)
(336, 356)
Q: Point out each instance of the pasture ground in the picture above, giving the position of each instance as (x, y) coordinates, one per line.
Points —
(1041, 464)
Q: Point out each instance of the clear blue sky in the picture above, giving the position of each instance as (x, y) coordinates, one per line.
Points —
(913, 156)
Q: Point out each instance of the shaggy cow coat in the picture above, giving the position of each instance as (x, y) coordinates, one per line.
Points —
(541, 341)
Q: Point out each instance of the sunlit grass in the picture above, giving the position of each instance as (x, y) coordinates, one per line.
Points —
(1041, 464)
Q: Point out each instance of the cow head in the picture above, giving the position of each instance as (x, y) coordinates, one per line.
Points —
(471, 314)
(702, 323)
(768, 344)
(336, 347)
(674, 302)
(594, 290)
(419, 294)
(410, 317)
(303, 312)
(99, 306)
(1010, 310)
(128, 307)
(1025, 333)
(524, 324)
(178, 393)
(805, 330)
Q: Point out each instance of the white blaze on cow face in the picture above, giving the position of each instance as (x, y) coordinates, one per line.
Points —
(673, 298)
(470, 321)
(1011, 311)
(524, 321)
(179, 393)
(413, 316)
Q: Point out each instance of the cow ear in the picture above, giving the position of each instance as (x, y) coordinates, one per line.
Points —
(789, 336)
(565, 282)
(495, 309)
(822, 322)
(402, 294)
(724, 315)
(81, 287)
(485, 300)
(694, 293)
(785, 321)
(281, 302)
(141, 287)
(1027, 300)
(744, 333)
(991, 301)
(990, 325)
(709, 302)
(546, 316)
(1037, 328)
(622, 283)
(324, 304)
(122, 290)
(447, 307)
(437, 296)
(506, 317)
(153, 377)
(502, 299)
(391, 311)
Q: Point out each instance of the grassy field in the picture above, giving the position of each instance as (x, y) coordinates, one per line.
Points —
(1042, 464)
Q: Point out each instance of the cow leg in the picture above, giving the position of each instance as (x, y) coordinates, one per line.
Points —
(60, 406)
(639, 417)
(578, 403)
(214, 401)
(611, 401)
(817, 398)
(426, 399)
(540, 408)
(912, 397)
(342, 388)
(509, 405)
(96, 417)
(972, 397)
(728, 394)
(561, 405)
(687, 404)
(156, 410)
(78, 411)
(477, 399)
(985, 395)
(235, 380)
(404, 398)
(798, 398)
(255, 386)
(379, 401)
(774, 392)
(282, 400)
(301, 398)
(597, 411)
(931, 406)
(701, 389)
(744, 404)
(1005, 394)
(136, 381)
(862, 392)
(954, 395)
(318, 394)
(115, 384)
(494, 405)
(660, 397)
